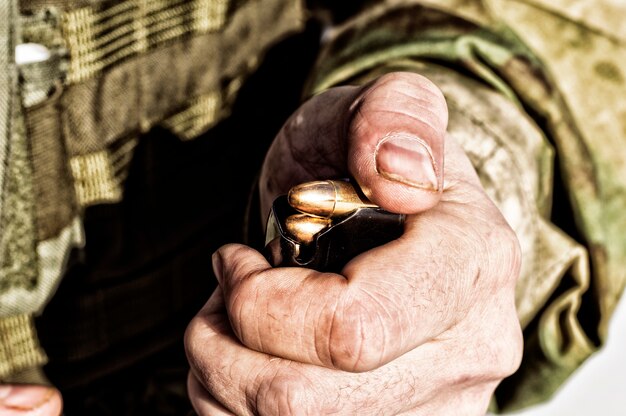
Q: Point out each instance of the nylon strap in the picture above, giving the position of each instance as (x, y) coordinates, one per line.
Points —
(99, 38)
(19, 348)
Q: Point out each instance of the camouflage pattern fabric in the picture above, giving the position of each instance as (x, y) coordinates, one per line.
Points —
(535, 90)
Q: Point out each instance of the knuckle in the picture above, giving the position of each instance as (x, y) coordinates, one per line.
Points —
(475, 401)
(238, 298)
(357, 337)
(190, 336)
(509, 349)
(490, 352)
(500, 352)
(284, 392)
(194, 348)
(511, 250)
(242, 304)
(504, 255)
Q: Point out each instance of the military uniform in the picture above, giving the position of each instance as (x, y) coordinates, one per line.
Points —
(110, 145)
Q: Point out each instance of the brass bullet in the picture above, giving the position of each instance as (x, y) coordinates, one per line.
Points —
(304, 227)
(326, 199)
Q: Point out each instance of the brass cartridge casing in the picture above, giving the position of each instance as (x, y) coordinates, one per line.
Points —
(326, 199)
(303, 228)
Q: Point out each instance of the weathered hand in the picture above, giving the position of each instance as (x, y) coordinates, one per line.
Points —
(425, 324)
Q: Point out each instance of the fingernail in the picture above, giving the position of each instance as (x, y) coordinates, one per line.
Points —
(407, 159)
(27, 397)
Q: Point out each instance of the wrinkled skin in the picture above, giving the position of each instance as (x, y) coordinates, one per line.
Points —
(423, 325)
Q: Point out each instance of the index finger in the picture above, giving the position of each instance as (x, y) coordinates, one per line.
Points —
(373, 313)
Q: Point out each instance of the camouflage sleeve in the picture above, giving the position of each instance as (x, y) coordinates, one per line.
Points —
(533, 159)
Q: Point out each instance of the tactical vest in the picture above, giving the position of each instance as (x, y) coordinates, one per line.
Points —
(112, 191)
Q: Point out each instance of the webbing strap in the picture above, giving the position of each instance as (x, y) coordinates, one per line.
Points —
(56, 204)
(203, 112)
(19, 348)
(200, 115)
(187, 85)
(99, 38)
(29, 6)
(130, 65)
(128, 84)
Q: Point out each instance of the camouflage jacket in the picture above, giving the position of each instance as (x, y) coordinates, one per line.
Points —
(535, 90)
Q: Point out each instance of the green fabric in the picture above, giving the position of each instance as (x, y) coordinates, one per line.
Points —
(590, 39)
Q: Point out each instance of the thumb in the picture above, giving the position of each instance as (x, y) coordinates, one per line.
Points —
(395, 142)
(388, 135)
(32, 400)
